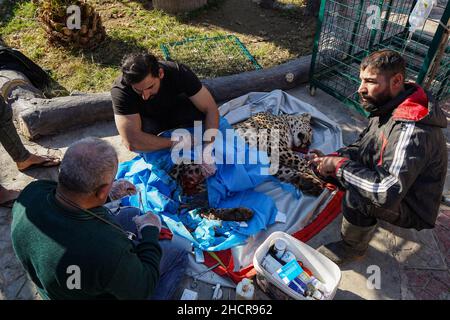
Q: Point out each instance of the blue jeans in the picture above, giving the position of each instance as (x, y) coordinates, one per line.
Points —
(174, 256)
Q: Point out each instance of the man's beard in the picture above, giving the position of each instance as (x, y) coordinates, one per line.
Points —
(373, 104)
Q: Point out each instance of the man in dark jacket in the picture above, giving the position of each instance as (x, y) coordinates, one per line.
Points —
(396, 170)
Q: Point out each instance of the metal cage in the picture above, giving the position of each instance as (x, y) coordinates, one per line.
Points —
(348, 30)
(212, 56)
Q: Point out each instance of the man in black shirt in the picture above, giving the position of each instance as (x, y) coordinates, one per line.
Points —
(152, 96)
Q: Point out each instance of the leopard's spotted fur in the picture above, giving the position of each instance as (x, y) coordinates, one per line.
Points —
(292, 131)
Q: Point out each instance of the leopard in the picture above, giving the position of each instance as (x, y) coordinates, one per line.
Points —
(290, 130)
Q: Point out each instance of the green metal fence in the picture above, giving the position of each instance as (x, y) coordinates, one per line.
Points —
(211, 56)
(349, 30)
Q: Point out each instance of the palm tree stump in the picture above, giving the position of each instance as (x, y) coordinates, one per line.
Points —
(177, 6)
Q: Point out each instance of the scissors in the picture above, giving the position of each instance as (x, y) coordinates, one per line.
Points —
(141, 204)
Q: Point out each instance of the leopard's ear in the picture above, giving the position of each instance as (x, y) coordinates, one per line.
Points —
(306, 116)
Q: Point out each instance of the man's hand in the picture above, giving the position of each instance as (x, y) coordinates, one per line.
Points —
(326, 166)
(208, 165)
(122, 188)
(204, 101)
(136, 140)
(148, 219)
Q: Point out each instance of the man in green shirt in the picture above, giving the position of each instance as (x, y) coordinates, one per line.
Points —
(72, 246)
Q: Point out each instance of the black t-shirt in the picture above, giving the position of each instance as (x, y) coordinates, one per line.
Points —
(178, 83)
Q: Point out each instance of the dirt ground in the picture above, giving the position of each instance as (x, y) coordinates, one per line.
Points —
(288, 29)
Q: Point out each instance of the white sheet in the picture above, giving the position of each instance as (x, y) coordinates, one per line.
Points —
(327, 136)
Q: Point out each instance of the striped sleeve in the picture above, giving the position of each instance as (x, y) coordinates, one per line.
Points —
(388, 182)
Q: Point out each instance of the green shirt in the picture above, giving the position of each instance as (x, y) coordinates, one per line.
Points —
(52, 242)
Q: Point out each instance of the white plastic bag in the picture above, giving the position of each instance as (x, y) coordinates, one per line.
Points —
(420, 14)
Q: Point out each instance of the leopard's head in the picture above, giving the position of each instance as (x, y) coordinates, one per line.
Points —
(301, 130)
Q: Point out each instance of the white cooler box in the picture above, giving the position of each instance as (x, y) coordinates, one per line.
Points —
(322, 268)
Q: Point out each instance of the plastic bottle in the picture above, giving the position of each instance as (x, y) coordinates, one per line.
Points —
(420, 14)
(287, 256)
(304, 277)
(318, 284)
(279, 247)
(271, 264)
(245, 290)
(298, 287)
(317, 295)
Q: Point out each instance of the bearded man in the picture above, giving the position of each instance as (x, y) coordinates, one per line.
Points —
(396, 170)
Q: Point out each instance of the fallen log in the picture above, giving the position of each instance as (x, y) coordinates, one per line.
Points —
(38, 117)
(42, 117)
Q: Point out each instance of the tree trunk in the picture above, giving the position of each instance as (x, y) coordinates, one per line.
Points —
(177, 6)
(283, 77)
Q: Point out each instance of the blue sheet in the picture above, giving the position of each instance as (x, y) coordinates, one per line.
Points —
(232, 186)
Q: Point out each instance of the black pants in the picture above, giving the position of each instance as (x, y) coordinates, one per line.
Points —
(181, 115)
(367, 215)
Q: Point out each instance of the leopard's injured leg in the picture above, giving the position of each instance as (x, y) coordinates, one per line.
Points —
(305, 180)
(227, 214)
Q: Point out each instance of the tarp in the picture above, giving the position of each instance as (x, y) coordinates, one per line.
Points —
(327, 137)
